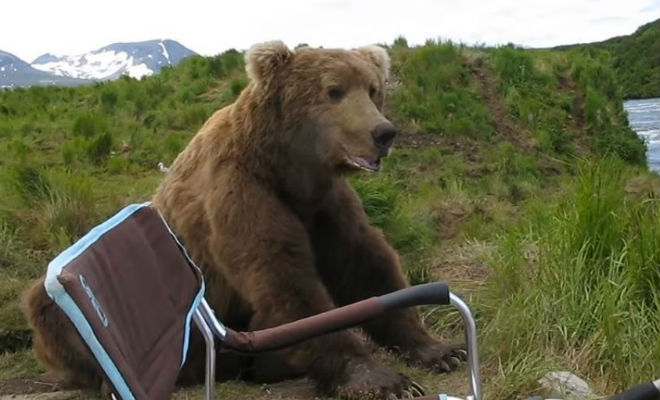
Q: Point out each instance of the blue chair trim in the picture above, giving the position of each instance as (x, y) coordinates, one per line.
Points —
(198, 297)
(59, 295)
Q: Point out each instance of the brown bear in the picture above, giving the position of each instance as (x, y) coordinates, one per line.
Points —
(260, 199)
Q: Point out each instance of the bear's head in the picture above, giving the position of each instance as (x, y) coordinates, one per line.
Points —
(331, 101)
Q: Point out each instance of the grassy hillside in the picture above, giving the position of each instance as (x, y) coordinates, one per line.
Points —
(517, 180)
(635, 59)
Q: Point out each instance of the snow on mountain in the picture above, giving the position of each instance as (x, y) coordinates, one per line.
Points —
(15, 72)
(135, 59)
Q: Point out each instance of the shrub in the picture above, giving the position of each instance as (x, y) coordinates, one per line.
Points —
(117, 165)
(400, 41)
(173, 144)
(66, 213)
(232, 60)
(108, 98)
(53, 207)
(215, 67)
(515, 66)
(88, 125)
(193, 116)
(73, 151)
(25, 183)
(99, 148)
(237, 85)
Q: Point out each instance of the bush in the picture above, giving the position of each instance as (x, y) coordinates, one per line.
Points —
(215, 67)
(589, 282)
(73, 151)
(237, 85)
(117, 165)
(66, 213)
(89, 124)
(232, 60)
(400, 41)
(99, 148)
(108, 98)
(515, 66)
(193, 116)
(53, 207)
(26, 184)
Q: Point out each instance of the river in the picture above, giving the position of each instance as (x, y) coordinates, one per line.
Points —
(644, 118)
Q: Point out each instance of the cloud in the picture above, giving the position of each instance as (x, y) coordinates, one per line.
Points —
(652, 7)
(609, 20)
(209, 27)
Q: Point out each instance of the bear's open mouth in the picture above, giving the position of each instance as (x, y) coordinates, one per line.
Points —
(364, 164)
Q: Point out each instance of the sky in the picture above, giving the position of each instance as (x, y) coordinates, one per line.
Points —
(29, 28)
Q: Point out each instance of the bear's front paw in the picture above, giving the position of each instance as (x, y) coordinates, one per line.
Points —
(365, 380)
(438, 356)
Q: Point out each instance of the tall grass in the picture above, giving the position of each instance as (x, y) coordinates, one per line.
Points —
(54, 207)
(409, 232)
(438, 95)
(587, 297)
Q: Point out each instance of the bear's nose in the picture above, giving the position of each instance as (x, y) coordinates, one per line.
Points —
(383, 135)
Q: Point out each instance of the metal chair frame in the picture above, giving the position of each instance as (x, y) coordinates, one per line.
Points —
(211, 328)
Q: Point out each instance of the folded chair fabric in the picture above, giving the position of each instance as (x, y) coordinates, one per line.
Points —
(130, 289)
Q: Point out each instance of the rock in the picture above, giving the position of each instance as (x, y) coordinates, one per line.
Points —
(563, 384)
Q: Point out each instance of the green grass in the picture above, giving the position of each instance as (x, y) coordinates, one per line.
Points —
(586, 297)
(20, 364)
(557, 259)
(429, 88)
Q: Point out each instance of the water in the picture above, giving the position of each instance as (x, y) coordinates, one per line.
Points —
(644, 118)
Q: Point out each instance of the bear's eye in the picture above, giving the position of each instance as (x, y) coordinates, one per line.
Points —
(372, 91)
(335, 93)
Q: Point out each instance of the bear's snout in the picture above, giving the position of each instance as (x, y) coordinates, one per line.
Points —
(383, 135)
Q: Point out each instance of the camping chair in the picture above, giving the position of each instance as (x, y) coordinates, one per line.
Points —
(131, 291)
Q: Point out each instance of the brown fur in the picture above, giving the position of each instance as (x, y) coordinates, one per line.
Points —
(260, 200)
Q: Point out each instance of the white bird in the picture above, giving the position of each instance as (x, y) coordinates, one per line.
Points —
(163, 168)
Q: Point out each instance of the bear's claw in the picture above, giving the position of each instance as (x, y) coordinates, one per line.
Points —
(366, 380)
(438, 356)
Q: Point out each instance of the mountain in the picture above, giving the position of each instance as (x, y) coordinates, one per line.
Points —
(15, 72)
(136, 59)
(635, 58)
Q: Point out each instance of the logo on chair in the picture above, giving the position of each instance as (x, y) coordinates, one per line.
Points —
(95, 303)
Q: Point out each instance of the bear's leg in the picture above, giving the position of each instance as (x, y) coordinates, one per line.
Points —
(356, 262)
(56, 342)
(263, 251)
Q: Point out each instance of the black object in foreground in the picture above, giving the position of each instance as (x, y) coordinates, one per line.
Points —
(644, 391)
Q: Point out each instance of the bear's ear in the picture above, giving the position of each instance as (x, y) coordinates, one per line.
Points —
(378, 56)
(264, 59)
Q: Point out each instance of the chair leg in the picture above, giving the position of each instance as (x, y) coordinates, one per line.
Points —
(209, 390)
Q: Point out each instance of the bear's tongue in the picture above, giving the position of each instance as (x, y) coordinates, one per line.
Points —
(362, 163)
